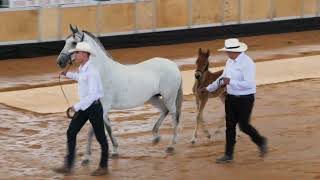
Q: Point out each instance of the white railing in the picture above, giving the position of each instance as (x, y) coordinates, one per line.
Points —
(39, 5)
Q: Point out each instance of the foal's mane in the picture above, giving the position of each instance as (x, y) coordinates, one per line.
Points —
(99, 43)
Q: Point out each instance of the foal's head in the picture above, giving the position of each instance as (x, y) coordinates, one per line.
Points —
(202, 63)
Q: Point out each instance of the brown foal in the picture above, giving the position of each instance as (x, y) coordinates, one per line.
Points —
(203, 78)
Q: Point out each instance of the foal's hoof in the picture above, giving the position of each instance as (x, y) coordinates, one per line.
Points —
(169, 149)
(85, 162)
(156, 140)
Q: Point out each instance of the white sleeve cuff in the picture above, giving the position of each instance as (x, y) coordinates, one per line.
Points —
(76, 107)
(212, 87)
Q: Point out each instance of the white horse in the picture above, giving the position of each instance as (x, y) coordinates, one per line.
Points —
(157, 81)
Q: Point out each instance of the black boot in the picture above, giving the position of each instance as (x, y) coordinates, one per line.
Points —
(264, 147)
(63, 170)
(100, 171)
(224, 159)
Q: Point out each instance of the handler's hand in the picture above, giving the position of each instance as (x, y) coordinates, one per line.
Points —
(71, 112)
(72, 109)
(63, 73)
(226, 81)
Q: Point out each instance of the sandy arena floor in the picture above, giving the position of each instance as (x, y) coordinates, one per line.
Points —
(287, 113)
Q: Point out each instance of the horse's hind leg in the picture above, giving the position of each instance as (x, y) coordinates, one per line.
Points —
(174, 105)
(87, 155)
(175, 121)
(114, 152)
(158, 103)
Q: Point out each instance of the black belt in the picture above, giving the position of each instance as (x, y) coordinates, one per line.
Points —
(241, 96)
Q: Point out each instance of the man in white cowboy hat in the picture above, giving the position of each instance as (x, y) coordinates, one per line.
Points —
(239, 79)
(90, 91)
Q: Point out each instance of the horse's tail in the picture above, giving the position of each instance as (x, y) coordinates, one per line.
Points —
(179, 101)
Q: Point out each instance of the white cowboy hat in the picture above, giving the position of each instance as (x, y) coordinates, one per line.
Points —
(84, 47)
(233, 45)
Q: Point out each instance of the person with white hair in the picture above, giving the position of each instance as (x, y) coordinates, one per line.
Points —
(90, 91)
(239, 79)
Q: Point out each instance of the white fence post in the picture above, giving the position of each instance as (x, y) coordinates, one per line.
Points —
(222, 11)
(59, 34)
(190, 13)
(135, 16)
(98, 19)
(240, 11)
(302, 9)
(318, 8)
(271, 3)
(154, 15)
(39, 24)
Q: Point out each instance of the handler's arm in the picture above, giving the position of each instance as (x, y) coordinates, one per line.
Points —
(72, 75)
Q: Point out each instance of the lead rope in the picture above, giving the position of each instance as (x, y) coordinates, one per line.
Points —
(64, 94)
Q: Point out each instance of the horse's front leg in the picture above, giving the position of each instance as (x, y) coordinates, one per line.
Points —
(87, 155)
(114, 152)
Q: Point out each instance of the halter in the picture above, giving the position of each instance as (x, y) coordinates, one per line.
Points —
(80, 39)
(205, 69)
(70, 61)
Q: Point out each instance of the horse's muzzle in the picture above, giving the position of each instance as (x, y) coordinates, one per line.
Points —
(197, 75)
(63, 60)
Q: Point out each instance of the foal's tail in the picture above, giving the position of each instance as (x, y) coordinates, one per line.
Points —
(179, 101)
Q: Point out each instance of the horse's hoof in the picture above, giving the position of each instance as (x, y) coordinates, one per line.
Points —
(209, 136)
(169, 149)
(85, 162)
(193, 141)
(156, 140)
(114, 155)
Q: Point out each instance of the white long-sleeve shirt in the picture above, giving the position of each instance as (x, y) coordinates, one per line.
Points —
(89, 85)
(242, 74)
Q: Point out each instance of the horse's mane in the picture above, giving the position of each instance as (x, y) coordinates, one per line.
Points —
(99, 43)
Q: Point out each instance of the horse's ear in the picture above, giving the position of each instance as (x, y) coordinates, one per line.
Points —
(200, 51)
(77, 30)
(73, 30)
(208, 53)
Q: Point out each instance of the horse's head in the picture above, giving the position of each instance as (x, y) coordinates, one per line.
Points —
(202, 63)
(71, 41)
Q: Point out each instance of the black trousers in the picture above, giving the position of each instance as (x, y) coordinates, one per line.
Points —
(238, 110)
(95, 114)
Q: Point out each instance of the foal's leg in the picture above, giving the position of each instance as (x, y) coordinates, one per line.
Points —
(203, 126)
(158, 103)
(194, 136)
